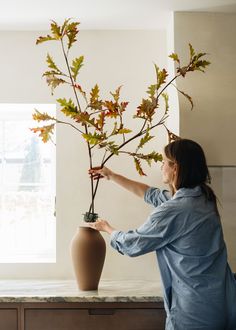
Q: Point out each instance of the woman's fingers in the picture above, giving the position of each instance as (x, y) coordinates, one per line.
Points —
(97, 225)
(96, 176)
(100, 172)
(101, 225)
(95, 173)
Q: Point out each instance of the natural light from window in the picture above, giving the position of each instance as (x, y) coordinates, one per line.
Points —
(27, 187)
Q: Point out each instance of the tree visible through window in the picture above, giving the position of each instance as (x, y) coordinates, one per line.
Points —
(27, 188)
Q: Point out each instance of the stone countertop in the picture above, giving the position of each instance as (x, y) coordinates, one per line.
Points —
(66, 291)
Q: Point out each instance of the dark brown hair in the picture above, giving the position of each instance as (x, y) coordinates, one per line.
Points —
(192, 168)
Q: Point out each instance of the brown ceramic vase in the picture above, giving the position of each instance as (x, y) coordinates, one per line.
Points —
(88, 251)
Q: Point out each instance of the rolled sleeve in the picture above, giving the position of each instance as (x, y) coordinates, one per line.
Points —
(156, 196)
(115, 240)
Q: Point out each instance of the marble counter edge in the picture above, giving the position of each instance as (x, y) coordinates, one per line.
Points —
(30, 291)
(120, 299)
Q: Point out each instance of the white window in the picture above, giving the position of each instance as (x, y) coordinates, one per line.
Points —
(27, 187)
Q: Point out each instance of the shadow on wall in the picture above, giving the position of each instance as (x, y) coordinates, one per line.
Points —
(224, 185)
(231, 8)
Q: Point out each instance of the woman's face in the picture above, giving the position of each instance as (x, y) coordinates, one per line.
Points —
(168, 169)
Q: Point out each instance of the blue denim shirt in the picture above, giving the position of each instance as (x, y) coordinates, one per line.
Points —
(186, 233)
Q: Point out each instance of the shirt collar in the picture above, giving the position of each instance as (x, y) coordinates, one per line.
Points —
(188, 192)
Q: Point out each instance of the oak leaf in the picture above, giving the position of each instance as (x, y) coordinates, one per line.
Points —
(166, 99)
(56, 31)
(44, 132)
(68, 107)
(39, 116)
(94, 138)
(52, 65)
(76, 66)
(145, 139)
(175, 57)
(71, 32)
(139, 167)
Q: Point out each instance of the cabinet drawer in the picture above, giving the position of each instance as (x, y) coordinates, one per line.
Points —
(94, 319)
(8, 319)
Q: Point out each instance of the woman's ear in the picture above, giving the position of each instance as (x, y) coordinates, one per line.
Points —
(175, 173)
(175, 168)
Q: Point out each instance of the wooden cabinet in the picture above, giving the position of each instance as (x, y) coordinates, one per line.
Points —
(84, 316)
(9, 318)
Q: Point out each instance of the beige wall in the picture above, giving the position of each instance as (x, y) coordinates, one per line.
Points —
(212, 122)
(112, 58)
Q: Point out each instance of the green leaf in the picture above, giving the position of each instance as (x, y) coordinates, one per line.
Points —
(113, 148)
(198, 55)
(138, 166)
(53, 81)
(192, 51)
(152, 89)
(166, 99)
(202, 64)
(124, 131)
(175, 57)
(64, 26)
(100, 122)
(146, 138)
(64, 103)
(153, 156)
(157, 71)
(68, 107)
(162, 75)
(39, 116)
(52, 65)
(195, 64)
(94, 94)
(84, 119)
(187, 97)
(76, 66)
(71, 32)
(56, 31)
(120, 130)
(114, 129)
(116, 95)
(94, 138)
(95, 103)
(40, 40)
(51, 73)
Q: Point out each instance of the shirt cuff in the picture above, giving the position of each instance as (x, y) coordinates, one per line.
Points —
(113, 241)
(114, 235)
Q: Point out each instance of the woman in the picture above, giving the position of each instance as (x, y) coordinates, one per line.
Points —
(185, 231)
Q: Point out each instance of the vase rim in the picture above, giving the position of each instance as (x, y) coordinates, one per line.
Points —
(86, 227)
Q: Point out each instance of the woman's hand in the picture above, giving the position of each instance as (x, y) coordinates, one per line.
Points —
(101, 225)
(98, 172)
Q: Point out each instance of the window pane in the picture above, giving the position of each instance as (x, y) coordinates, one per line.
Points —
(27, 192)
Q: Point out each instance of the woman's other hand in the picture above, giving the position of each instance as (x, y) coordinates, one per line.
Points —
(101, 225)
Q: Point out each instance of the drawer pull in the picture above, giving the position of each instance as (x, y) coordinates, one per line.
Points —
(101, 311)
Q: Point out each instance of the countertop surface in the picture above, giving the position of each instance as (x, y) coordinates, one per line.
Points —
(67, 291)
